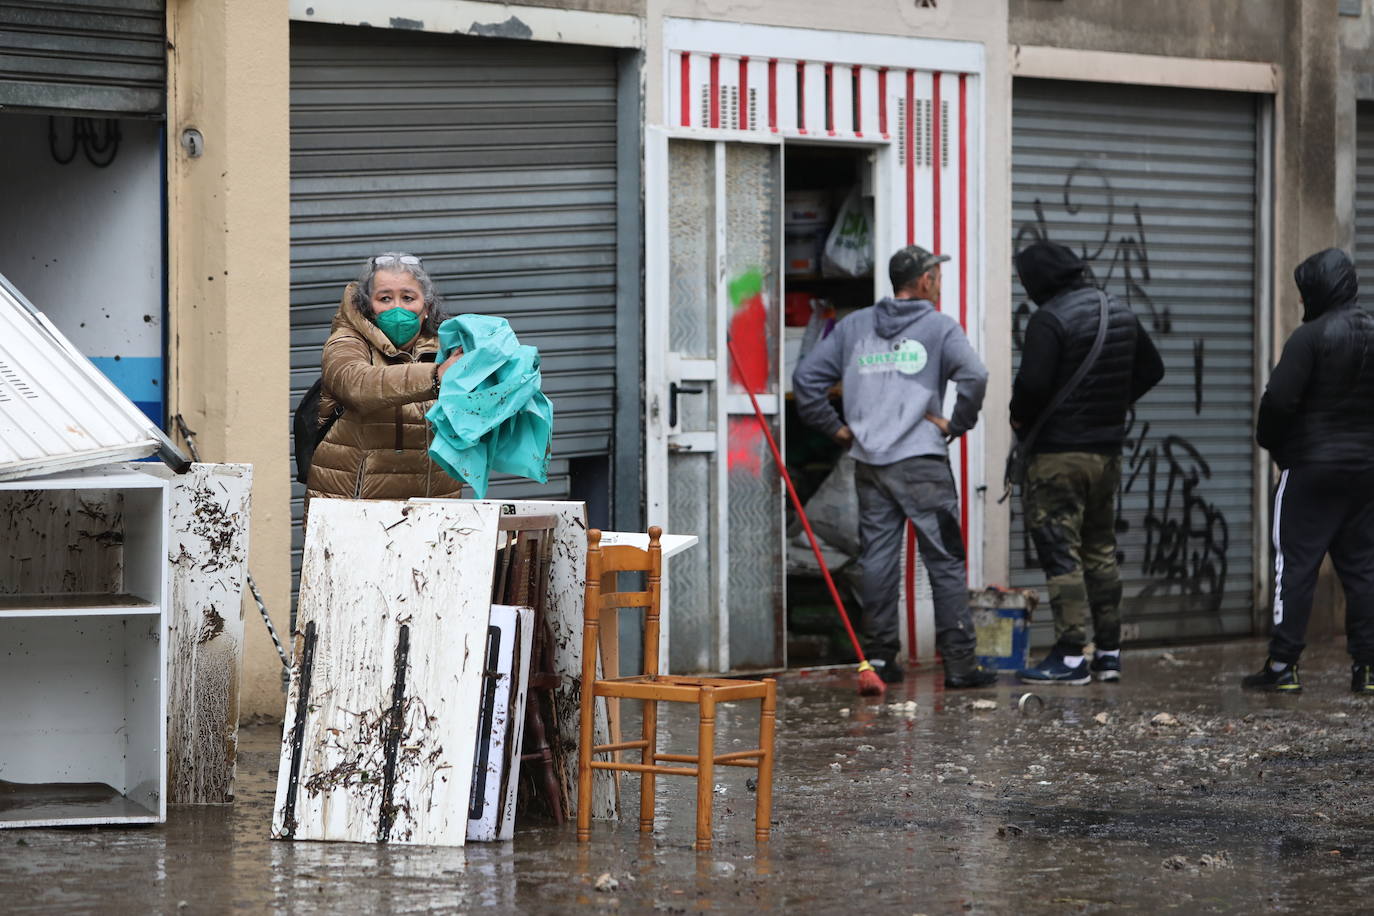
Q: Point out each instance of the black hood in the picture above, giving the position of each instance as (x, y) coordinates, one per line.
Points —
(1047, 268)
(1326, 280)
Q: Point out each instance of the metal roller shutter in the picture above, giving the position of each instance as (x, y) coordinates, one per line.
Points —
(84, 56)
(1364, 201)
(1157, 187)
(493, 160)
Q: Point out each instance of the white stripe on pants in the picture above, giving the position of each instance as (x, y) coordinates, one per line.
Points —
(1278, 551)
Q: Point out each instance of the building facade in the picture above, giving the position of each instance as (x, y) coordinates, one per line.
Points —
(624, 180)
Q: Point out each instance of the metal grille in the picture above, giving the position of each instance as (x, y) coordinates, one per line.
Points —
(1364, 201)
(84, 56)
(493, 160)
(1157, 188)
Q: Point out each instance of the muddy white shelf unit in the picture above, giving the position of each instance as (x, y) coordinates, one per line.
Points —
(83, 625)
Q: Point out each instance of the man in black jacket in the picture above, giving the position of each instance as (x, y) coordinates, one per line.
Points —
(1069, 497)
(1317, 421)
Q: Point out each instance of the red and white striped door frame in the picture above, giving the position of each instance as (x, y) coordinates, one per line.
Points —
(921, 116)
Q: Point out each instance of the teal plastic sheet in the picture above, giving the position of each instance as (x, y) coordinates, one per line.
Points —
(491, 415)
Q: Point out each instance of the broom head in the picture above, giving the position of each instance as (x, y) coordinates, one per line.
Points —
(870, 685)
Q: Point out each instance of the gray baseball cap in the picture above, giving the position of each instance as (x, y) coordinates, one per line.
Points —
(909, 263)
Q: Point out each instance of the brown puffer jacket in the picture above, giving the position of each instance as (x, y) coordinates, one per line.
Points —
(379, 447)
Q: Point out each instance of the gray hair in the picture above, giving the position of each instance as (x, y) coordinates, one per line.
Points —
(400, 262)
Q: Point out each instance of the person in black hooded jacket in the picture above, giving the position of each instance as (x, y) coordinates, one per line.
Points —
(1316, 419)
(1069, 496)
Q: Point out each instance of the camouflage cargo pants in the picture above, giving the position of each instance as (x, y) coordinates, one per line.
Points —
(1070, 505)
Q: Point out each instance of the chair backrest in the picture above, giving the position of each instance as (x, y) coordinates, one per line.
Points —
(603, 563)
(524, 554)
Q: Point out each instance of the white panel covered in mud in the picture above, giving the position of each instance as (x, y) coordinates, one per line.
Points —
(208, 553)
(381, 716)
(496, 764)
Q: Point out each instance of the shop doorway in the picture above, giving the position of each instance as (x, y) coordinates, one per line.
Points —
(828, 193)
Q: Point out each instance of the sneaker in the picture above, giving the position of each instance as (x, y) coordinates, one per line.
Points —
(888, 670)
(1053, 671)
(1285, 681)
(1106, 667)
(1362, 679)
(977, 676)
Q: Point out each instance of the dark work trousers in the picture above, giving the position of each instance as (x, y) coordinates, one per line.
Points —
(1320, 510)
(922, 490)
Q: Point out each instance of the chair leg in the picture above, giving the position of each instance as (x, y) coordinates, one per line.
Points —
(584, 767)
(547, 777)
(763, 805)
(706, 767)
(646, 780)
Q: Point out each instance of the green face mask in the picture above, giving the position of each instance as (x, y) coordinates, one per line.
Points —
(399, 325)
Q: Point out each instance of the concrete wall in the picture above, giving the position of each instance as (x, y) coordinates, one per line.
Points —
(229, 264)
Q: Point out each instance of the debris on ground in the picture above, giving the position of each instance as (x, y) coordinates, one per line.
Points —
(1217, 860)
(1170, 658)
(984, 704)
(1009, 830)
(1101, 718)
(1164, 718)
(1208, 862)
(606, 883)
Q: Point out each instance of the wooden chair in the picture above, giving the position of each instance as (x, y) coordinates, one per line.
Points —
(653, 688)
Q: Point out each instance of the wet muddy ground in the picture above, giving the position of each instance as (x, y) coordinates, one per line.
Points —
(1171, 791)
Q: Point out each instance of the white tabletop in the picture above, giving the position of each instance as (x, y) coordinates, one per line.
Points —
(671, 543)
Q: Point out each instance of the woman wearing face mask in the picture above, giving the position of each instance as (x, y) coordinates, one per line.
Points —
(379, 368)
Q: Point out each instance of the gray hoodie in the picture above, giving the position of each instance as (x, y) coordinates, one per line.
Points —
(894, 359)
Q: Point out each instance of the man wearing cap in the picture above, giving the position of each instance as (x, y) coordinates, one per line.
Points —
(894, 360)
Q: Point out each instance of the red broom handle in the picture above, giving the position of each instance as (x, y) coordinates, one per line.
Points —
(796, 501)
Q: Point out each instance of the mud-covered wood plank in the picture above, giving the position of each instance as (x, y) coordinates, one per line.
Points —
(370, 570)
(208, 553)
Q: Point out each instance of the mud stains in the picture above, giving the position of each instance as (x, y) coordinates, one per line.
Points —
(211, 626)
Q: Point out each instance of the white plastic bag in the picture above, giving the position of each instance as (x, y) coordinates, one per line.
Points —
(849, 247)
(833, 509)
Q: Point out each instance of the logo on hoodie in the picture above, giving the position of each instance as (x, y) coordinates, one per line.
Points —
(907, 356)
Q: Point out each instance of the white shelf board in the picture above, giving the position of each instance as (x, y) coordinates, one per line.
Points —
(105, 477)
(68, 804)
(76, 606)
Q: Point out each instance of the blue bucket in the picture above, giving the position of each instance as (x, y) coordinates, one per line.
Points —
(1001, 622)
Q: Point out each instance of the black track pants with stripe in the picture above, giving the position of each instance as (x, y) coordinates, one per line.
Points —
(1320, 510)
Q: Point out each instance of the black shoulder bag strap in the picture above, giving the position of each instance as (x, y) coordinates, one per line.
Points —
(1019, 458)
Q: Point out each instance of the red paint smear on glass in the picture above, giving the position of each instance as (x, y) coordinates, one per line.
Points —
(746, 452)
(748, 329)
